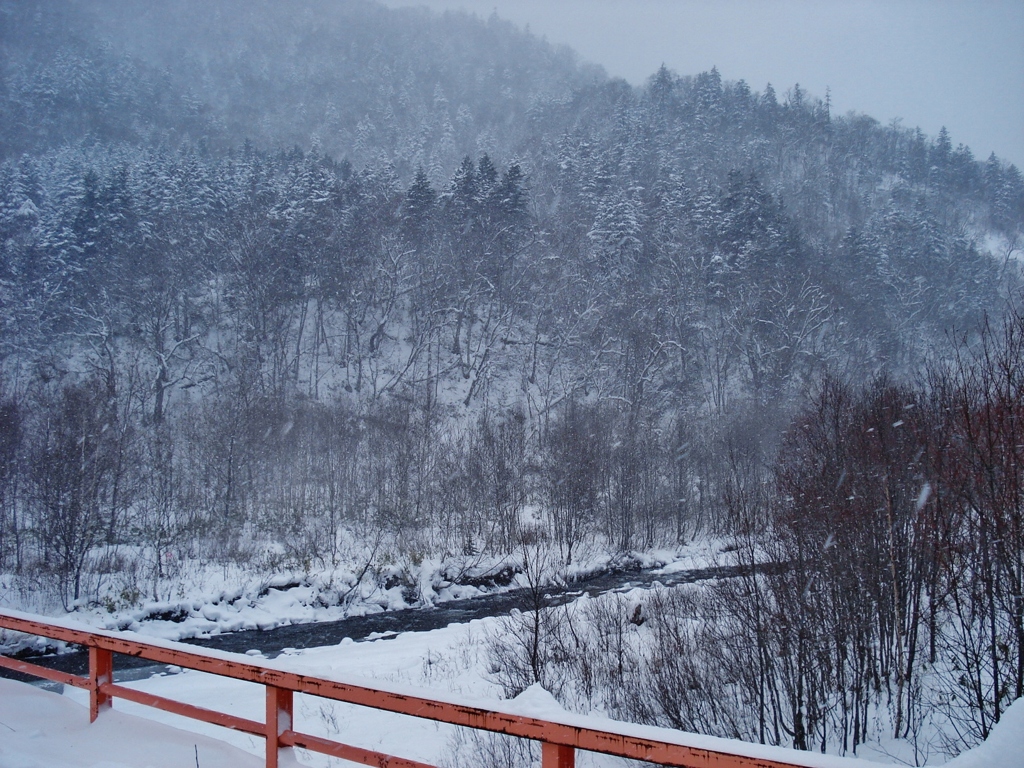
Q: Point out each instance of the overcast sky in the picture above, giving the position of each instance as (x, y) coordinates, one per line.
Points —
(958, 63)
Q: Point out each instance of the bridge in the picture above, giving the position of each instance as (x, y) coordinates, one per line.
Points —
(559, 738)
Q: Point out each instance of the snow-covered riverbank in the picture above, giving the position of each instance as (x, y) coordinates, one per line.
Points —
(214, 601)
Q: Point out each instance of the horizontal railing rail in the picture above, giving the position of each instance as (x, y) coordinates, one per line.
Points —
(559, 739)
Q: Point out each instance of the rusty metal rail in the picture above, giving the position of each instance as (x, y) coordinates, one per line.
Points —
(559, 740)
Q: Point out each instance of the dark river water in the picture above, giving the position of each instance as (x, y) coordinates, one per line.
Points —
(272, 641)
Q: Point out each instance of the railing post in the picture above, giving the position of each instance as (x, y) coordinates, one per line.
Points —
(557, 756)
(279, 720)
(101, 672)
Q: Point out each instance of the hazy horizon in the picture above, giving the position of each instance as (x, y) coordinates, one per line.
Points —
(925, 63)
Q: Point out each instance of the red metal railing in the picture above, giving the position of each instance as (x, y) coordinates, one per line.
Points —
(559, 740)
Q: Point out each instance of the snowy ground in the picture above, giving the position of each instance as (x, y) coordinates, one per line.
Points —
(38, 728)
(44, 729)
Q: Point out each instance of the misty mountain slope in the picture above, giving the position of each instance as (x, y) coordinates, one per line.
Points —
(365, 81)
(404, 87)
(690, 249)
(781, 189)
(483, 323)
(62, 80)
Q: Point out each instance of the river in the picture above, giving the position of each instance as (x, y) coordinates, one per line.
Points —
(271, 642)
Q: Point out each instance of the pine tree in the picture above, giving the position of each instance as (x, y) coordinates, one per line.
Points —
(418, 210)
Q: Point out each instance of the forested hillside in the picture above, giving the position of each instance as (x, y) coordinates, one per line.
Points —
(298, 277)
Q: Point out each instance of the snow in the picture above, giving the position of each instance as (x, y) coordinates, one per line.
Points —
(41, 728)
(450, 664)
(999, 247)
(1004, 746)
(537, 702)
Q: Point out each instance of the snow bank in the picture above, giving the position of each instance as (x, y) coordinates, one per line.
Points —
(1004, 747)
(39, 729)
(535, 701)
